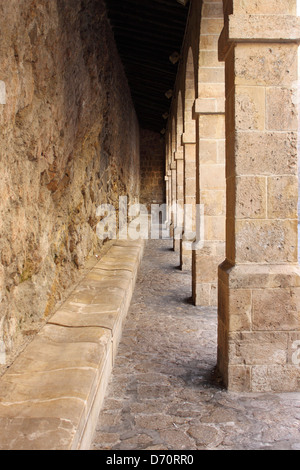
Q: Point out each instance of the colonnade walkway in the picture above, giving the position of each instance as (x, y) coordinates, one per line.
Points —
(164, 393)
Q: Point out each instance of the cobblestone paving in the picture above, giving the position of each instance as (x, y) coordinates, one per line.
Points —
(163, 393)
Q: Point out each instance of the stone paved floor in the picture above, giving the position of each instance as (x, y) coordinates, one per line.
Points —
(163, 394)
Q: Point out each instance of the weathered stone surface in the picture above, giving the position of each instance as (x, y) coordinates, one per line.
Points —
(69, 142)
(60, 378)
(268, 27)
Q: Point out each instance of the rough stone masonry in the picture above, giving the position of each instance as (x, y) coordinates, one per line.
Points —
(69, 142)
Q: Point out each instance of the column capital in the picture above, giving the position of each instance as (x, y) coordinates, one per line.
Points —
(210, 106)
(178, 155)
(258, 29)
(173, 166)
(188, 138)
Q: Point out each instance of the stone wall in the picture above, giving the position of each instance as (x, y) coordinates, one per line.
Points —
(152, 168)
(69, 142)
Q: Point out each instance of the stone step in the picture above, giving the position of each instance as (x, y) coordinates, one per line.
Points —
(50, 398)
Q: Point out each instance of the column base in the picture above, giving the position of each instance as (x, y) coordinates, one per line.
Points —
(177, 239)
(259, 327)
(186, 251)
(206, 260)
(176, 245)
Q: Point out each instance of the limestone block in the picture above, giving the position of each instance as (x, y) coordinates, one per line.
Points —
(190, 153)
(214, 202)
(276, 309)
(59, 347)
(250, 103)
(271, 378)
(239, 378)
(190, 190)
(214, 228)
(239, 309)
(282, 197)
(209, 41)
(264, 241)
(212, 177)
(179, 156)
(266, 64)
(208, 59)
(269, 153)
(258, 348)
(90, 317)
(202, 294)
(278, 117)
(271, 28)
(251, 197)
(212, 126)
(206, 268)
(186, 248)
(190, 171)
(47, 385)
(208, 151)
(273, 7)
(212, 74)
(210, 90)
(209, 106)
(259, 276)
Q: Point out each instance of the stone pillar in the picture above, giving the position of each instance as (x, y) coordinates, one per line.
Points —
(166, 221)
(173, 197)
(168, 181)
(259, 283)
(210, 168)
(169, 205)
(179, 200)
(189, 223)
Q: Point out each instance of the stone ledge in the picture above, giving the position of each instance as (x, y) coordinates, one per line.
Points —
(258, 29)
(270, 28)
(50, 398)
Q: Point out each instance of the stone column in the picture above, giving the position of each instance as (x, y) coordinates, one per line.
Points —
(173, 197)
(210, 112)
(179, 200)
(259, 283)
(166, 222)
(189, 223)
(168, 180)
(169, 206)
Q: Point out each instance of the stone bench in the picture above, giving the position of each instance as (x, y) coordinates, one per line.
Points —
(50, 398)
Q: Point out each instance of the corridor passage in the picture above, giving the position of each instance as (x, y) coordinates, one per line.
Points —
(163, 393)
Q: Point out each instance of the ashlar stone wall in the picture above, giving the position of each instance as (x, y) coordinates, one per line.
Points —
(247, 161)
